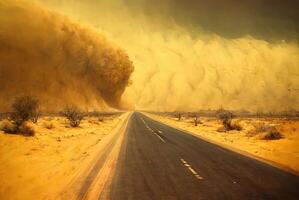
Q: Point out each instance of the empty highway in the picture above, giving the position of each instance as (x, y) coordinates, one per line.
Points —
(160, 162)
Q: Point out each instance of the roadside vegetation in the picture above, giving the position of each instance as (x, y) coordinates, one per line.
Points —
(226, 117)
(74, 115)
(24, 114)
(23, 109)
(265, 131)
(55, 148)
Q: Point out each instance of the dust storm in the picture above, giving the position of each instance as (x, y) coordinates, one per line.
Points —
(187, 55)
(59, 61)
(191, 55)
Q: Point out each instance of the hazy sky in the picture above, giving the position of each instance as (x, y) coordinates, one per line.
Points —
(200, 54)
(264, 19)
(193, 54)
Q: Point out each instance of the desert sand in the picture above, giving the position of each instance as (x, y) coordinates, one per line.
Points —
(283, 153)
(42, 167)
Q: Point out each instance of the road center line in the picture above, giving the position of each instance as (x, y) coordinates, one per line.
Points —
(159, 137)
(191, 169)
(153, 131)
(143, 120)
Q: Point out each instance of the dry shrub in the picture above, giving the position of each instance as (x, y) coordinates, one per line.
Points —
(267, 131)
(226, 118)
(24, 108)
(273, 134)
(8, 127)
(26, 130)
(74, 115)
(11, 128)
(236, 126)
(48, 125)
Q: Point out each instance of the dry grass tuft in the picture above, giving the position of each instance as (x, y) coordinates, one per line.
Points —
(48, 125)
(265, 131)
(236, 126)
(8, 127)
(272, 135)
(26, 130)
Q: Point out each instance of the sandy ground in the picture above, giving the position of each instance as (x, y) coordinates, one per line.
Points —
(283, 152)
(41, 167)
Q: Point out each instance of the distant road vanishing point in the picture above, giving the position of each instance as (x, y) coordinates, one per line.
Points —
(159, 162)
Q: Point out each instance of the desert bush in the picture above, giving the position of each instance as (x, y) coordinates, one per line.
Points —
(26, 130)
(74, 115)
(24, 108)
(273, 134)
(265, 131)
(226, 118)
(8, 127)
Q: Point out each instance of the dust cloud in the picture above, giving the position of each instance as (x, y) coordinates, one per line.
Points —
(57, 60)
(196, 55)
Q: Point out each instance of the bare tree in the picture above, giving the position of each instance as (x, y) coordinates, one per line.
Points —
(74, 115)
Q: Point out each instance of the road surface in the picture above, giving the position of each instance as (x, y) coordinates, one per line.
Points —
(160, 162)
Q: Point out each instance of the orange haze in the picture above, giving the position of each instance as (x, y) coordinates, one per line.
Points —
(188, 55)
(57, 60)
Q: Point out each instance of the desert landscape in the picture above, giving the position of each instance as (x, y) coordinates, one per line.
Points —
(149, 100)
(274, 139)
(55, 155)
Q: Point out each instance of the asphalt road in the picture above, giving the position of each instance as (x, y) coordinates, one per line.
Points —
(159, 162)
